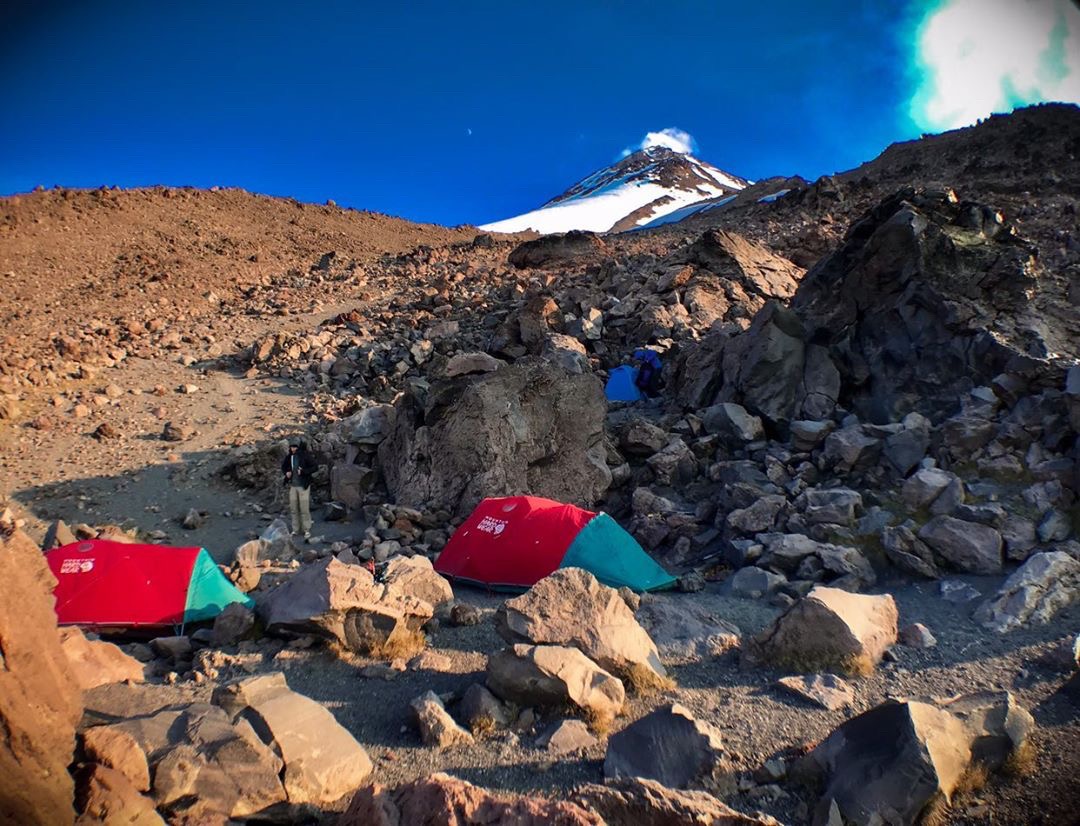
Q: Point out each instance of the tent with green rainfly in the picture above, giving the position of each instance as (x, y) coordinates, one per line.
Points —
(105, 584)
(514, 542)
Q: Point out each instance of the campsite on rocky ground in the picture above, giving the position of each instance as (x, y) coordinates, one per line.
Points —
(828, 573)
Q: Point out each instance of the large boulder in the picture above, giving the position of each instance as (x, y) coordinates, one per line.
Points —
(528, 428)
(205, 764)
(344, 602)
(685, 632)
(1044, 585)
(967, 546)
(322, 760)
(415, 576)
(40, 702)
(926, 296)
(106, 796)
(117, 750)
(556, 249)
(829, 629)
(889, 763)
(552, 676)
(571, 607)
(442, 799)
(636, 801)
(95, 662)
(670, 746)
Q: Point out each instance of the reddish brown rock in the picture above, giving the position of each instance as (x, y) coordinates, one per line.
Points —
(107, 796)
(441, 800)
(95, 663)
(39, 697)
(116, 749)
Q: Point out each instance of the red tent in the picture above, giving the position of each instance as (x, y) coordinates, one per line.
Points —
(102, 583)
(517, 541)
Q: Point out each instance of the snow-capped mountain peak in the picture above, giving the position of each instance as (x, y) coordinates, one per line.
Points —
(637, 190)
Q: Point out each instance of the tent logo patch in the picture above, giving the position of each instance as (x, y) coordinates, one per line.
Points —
(491, 525)
(76, 566)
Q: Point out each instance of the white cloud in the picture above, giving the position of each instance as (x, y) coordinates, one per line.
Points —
(674, 139)
(977, 57)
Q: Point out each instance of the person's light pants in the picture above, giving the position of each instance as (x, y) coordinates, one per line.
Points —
(300, 506)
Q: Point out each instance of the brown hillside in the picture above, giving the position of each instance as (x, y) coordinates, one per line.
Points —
(71, 256)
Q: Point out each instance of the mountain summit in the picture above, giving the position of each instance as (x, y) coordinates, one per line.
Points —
(638, 190)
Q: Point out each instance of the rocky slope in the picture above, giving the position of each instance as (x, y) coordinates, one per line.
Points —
(865, 466)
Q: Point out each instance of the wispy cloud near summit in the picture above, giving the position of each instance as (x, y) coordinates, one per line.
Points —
(677, 140)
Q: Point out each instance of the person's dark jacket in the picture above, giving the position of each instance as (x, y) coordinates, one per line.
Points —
(306, 464)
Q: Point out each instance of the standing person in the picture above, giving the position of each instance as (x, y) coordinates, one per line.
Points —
(298, 467)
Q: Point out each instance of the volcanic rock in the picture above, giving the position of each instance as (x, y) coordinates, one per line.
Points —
(829, 628)
(571, 607)
(437, 727)
(1033, 594)
(104, 795)
(668, 745)
(826, 690)
(117, 750)
(442, 799)
(39, 696)
(530, 427)
(322, 760)
(637, 801)
(344, 602)
(415, 576)
(95, 662)
(967, 546)
(551, 675)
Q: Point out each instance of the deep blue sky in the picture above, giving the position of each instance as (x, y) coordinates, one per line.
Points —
(372, 104)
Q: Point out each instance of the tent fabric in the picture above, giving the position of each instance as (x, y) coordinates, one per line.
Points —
(622, 385)
(115, 584)
(512, 543)
(614, 557)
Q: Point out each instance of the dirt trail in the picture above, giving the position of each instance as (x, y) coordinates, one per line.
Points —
(138, 480)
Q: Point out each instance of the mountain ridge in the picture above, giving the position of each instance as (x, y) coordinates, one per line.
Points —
(634, 191)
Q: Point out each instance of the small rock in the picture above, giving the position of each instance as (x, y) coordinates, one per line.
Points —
(917, 635)
(173, 432)
(826, 690)
(193, 520)
(565, 737)
(953, 590)
(437, 727)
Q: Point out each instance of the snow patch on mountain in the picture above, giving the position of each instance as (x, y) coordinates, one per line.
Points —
(636, 191)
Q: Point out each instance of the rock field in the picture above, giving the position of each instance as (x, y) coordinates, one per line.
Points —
(864, 468)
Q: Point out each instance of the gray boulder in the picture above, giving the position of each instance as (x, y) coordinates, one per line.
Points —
(635, 801)
(888, 763)
(571, 607)
(343, 601)
(322, 760)
(552, 676)
(528, 427)
(924, 486)
(825, 690)
(908, 553)
(753, 582)
(1040, 588)
(850, 449)
(685, 632)
(967, 546)
(828, 629)
(732, 423)
(670, 746)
